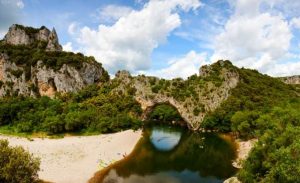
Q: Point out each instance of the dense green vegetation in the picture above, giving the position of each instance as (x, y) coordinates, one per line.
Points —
(28, 56)
(265, 108)
(92, 110)
(17, 165)
(276, 157)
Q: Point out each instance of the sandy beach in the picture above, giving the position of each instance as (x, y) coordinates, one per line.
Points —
(76, 159)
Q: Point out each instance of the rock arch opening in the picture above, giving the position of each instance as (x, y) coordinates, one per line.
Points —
(163, 113)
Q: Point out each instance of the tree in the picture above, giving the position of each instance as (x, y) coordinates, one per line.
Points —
(17, 165)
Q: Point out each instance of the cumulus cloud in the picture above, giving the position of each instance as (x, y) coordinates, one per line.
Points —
(68, 47)
(252, 38)
(285, 69)
(182, 67)
(129, 42)
(9, 14)
(295, 22)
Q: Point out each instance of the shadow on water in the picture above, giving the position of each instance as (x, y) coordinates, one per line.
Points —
(173, 155)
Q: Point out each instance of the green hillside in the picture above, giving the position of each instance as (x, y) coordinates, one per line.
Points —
(258, 107)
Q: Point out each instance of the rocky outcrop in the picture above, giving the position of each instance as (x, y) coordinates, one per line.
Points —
(12, 78)
(46, 81)
(291, 80)
(243, 150)
(45, 69)
(53, 44)
(192, 109)
(20, 35)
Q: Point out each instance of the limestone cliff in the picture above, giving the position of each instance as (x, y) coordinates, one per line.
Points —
(294, 80)
(32, 63)
(20, 35)
(193, 98)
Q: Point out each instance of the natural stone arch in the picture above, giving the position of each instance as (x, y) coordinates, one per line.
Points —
(209, 94)
(148, 105)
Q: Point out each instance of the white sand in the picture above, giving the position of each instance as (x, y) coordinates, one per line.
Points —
(76, 159)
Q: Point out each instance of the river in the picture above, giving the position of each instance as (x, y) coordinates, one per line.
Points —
(174, 155)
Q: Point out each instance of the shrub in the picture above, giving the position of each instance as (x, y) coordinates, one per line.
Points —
(17, 73)
(17, 165)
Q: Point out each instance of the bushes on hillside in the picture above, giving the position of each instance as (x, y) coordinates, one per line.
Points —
(276, 157)
(90, 110)
(254, 92)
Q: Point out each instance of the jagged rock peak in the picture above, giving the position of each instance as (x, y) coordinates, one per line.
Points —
(53, 43)
(21, 35)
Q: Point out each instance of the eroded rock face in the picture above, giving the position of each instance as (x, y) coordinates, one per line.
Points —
(208, 95)
(20, 35)
(12, 82)
(46, 81)
(291, 80)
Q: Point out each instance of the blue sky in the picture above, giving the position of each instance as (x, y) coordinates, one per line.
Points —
(170, 38)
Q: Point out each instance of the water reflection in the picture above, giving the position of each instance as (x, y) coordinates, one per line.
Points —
(181, 157)
(165, 139)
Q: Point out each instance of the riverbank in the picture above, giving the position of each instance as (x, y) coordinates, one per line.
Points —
(76, 159)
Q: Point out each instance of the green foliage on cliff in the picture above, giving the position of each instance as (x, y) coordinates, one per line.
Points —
(254, 94)
(17, 165)
(30, 30)
(93, 109)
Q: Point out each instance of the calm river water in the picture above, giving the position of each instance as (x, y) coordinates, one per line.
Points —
(173, 155)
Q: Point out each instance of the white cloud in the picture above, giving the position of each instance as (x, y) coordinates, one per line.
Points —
(128, 44)
(111, 13)
(295, 23)
(68, 47)
(285, 69)
(73, 28)
(182, 67)
(253, 39)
